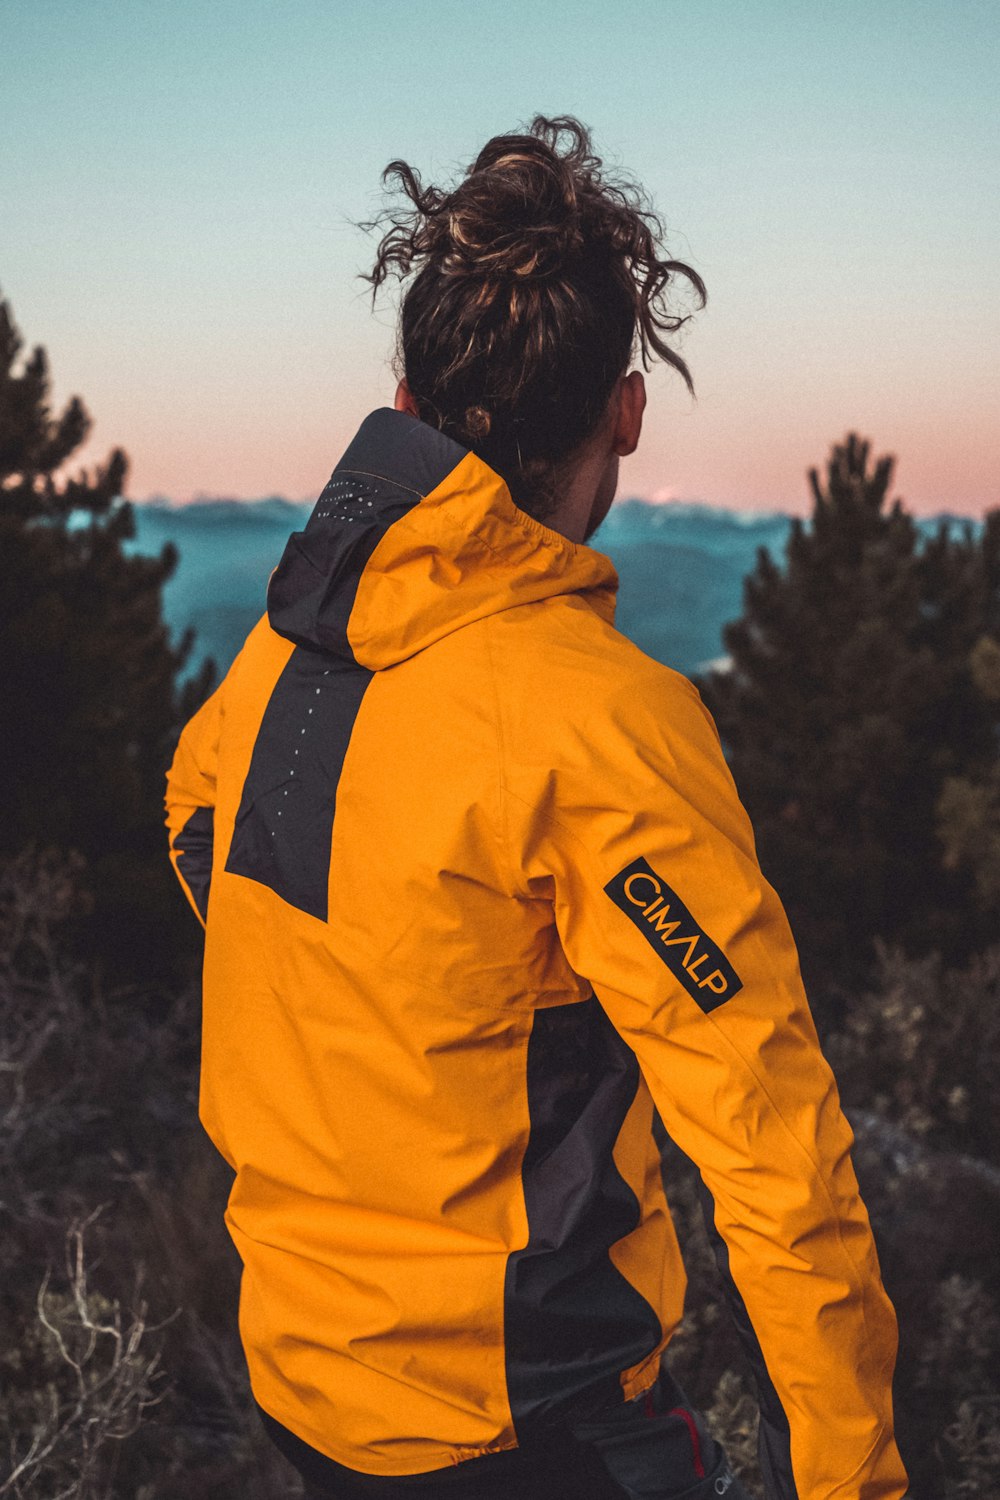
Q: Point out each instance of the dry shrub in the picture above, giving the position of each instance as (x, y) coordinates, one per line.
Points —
(90, 1379)
(98, 1104)
(734, 1418)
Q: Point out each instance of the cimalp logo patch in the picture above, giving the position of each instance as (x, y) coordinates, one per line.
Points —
(672, 932)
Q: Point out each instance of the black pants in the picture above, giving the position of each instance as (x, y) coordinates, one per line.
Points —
(656, 1447)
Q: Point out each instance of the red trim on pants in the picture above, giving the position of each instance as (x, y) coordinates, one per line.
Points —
(680, 1411)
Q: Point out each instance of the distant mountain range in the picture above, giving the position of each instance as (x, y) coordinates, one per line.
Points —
(681, 567)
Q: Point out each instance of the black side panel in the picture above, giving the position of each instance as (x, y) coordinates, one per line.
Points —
(572, 1321)
(284, 825)
(774, 1438)
(193, 846)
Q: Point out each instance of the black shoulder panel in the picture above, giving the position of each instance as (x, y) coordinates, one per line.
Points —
(392, 463)
(395, 446)
(284, 827)
(313, 588)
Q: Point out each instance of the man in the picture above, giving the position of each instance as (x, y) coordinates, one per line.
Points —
(479, 892)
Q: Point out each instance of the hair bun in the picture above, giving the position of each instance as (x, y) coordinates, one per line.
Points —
(515, 216)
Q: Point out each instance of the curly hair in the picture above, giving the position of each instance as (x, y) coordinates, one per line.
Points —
(536, 277)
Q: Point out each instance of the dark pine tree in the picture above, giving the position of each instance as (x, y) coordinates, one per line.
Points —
(969, 809)
(91, 704)
(849, 702)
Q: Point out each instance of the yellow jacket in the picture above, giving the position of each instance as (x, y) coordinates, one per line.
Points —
(479, 893)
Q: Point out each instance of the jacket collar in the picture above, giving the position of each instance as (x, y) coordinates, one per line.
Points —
(412, 538)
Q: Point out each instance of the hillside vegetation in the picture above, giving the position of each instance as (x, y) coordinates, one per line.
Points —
(861, 717)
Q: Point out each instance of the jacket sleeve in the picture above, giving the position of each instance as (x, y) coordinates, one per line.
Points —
(647, 854)
(190, 802)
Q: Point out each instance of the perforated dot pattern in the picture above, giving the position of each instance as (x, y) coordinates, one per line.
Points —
(348, 499)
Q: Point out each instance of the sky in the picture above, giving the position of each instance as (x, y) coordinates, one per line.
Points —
(181, 183)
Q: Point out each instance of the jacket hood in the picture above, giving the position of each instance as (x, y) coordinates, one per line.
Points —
(412, 538)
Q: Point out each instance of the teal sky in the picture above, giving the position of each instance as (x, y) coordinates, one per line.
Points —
(178, 180)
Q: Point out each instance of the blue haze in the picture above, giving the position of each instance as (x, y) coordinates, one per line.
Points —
(681, 568)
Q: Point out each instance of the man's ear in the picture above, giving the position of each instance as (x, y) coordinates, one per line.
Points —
(404, 401)
(631, 405)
